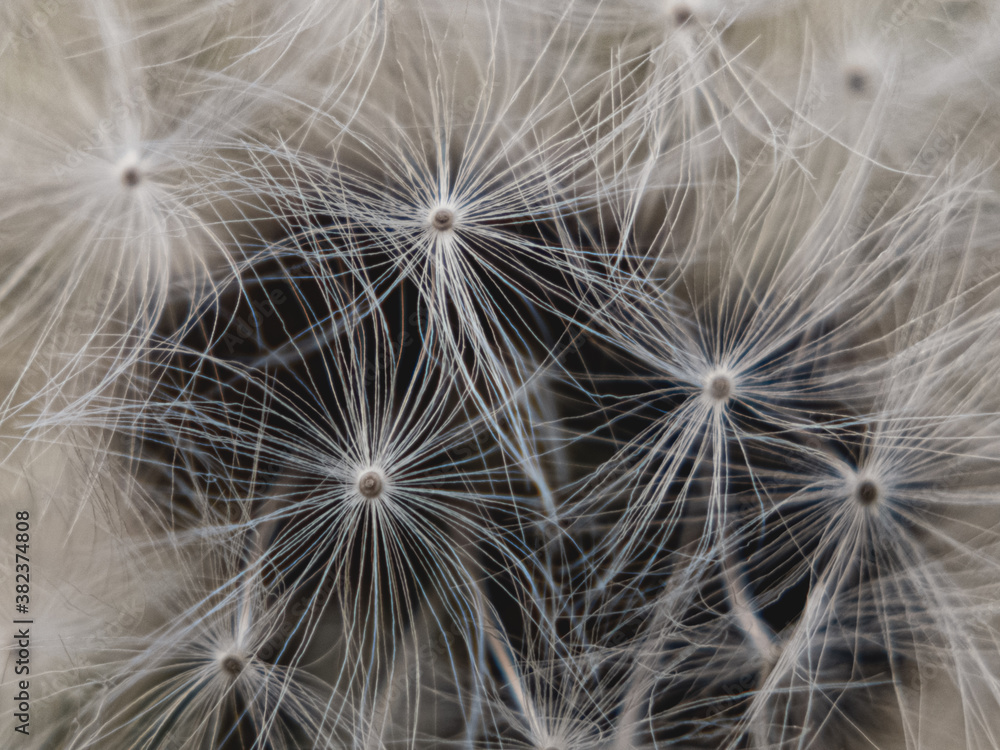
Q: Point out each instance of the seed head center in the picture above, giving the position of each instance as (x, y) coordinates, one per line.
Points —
(370, 484)
(129, 168)
(443, 219)
(232, 665)
(131, 176)
(857, 80)
(682, 14)
(720, 387)
(867, 492)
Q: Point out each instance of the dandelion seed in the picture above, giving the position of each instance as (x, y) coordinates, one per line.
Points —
(124, 227)
(857, 80)
(720, 387)
(202, 677)
(682, 14)
(443, 219)
(130, 176)
(382, 504)
(129, 169)
(867, 492)
(232, 664)
(371, 483)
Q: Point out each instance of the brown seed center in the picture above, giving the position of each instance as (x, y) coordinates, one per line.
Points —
(370, 484)
(443, 219)
(720, 388)
(857, 81)
(130, 177)
(867, 492)
(232, 665)
(682, 14)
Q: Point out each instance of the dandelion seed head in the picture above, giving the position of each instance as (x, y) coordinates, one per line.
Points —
(129, 169)
(371, 483)
(866, 489)
(378, 516)
(866, 492)
(442, 218)
(232, 664)
(681, 13)
(861, 70)
(857, 80)
(719, 387)
(130, 177)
